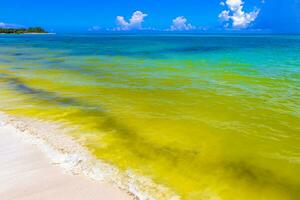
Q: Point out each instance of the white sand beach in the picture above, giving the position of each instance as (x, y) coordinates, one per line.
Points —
(27, 174)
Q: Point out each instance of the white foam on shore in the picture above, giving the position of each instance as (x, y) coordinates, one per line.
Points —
(74, 159)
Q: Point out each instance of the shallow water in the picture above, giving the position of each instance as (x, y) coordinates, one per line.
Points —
(211, 117)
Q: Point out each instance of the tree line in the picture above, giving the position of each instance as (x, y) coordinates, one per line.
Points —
(22, 30)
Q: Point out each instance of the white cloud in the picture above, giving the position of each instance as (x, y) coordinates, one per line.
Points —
(95, 28)
(2, 25)
(235, 14)
(135, 22)
(180, 24)
(234, 4)
(224, 15)
(5, 25)
(122, 23)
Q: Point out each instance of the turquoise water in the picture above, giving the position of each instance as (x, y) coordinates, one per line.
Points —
(209, 116)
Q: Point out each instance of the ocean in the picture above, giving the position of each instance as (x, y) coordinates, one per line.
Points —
(208, 116)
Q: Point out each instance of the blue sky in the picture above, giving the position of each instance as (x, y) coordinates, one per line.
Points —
(168, 15)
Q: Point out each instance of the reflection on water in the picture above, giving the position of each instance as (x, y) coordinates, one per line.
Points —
(209, 116)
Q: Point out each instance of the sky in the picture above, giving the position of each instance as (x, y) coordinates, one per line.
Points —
(272, 16)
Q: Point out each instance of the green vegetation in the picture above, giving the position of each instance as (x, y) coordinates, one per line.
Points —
(22, 30)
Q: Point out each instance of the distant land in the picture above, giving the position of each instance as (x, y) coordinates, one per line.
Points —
(31, 30)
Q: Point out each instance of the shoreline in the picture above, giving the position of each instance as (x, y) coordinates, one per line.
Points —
(26, 173)
(27, 33)
(68, 156)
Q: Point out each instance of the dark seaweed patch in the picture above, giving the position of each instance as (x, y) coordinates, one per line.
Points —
(41, 94)
(17, 68)
(18, 54)
(53, 61)
(160, 53)
(194, 49)
(261, 177)
(111, 124)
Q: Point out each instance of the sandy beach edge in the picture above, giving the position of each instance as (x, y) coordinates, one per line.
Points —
(26, 173)
(67, 160)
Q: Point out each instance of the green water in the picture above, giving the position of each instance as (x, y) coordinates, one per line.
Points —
(211, 117)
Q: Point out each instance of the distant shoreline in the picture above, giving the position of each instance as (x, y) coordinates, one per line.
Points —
(30, 30)
(27, 33)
